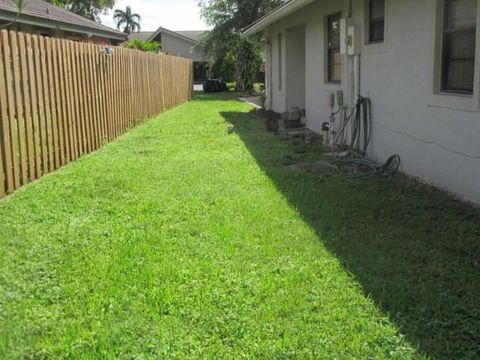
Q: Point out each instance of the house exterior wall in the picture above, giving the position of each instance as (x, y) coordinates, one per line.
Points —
(295, 65)
(437, 136)
(313, 17)
(179, 47)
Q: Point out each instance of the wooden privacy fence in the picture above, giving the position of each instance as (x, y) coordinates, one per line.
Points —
(61, 99)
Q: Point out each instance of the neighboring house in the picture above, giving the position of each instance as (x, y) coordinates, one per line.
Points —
(417, 60)
(179, 43)
(42, 18)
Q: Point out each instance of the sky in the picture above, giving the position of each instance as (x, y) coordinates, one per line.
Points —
(170, 14)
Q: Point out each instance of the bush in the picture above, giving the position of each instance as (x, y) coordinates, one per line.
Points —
(147, 46)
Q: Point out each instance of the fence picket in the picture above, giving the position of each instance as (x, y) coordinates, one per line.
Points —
(61, 99)
(53, 104)
(40, 125)
(94, 90)
(12, 128)
(19, 107)
(63, 104)
(82, 99)
(46, 101)
(27, 124)
(6, 150)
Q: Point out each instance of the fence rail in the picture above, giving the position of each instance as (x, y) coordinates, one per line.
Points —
(61, 99)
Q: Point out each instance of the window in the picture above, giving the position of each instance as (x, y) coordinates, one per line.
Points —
(376, 21)
(280, 65)
(459, 38)
(334, 58)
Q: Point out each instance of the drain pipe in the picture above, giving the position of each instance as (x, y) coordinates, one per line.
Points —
(269, 87)
(356, 77)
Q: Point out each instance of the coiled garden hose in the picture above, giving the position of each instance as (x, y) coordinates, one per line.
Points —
(356, 153)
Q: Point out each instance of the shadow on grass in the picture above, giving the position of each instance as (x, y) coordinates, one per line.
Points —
(415, 251)
(222, 96)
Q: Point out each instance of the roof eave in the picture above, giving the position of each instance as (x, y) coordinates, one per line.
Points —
(274, 16)
(173, 33)
(55, 24)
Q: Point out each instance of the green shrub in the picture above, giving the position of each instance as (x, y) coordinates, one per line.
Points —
(147, 46)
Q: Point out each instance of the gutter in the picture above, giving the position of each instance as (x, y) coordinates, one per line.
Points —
(59, 25)
(275, 15)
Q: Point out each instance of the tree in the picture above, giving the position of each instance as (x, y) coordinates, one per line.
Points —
(228, 18)
(20, 5)
(129, 20)
(219, 46)
(90, 9)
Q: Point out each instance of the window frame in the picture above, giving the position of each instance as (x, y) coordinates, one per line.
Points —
(369, 22)
(452, 100)
(444, 61)
(338, 14)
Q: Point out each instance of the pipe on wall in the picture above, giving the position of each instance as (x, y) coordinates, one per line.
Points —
(356, 77)
(269, 86)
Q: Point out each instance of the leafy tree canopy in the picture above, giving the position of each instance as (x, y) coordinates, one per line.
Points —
(223, 43)
(20, 4)
(237, 14)
(147, 46)
(90, 9)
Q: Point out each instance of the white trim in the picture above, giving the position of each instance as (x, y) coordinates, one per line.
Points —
(374, 47)
(326, 80)
(280, 60)
(274, 16)
(451, 100)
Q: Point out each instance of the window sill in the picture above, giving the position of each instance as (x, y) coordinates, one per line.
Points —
(332, 85)
(454, 101)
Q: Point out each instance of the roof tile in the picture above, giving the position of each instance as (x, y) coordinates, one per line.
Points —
(47, 11)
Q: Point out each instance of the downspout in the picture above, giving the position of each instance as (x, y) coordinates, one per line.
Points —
(356, 57)
(356, 77)
(269, 87)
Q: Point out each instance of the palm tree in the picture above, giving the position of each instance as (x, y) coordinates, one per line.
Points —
(128, 19)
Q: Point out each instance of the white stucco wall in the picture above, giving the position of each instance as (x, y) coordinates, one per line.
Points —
(316, 88)
(295, 65)
(438, 137)
(179, 47)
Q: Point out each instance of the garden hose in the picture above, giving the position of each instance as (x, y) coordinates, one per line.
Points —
(356, 153)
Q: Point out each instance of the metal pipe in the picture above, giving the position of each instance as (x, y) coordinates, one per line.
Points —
(356, 73)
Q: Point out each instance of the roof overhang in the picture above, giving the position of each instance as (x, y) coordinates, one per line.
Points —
(58, 25)
(173, 33)
(275, 15)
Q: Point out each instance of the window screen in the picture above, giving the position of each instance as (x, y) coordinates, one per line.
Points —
(459, 38)
(334, 61)
(376, 20)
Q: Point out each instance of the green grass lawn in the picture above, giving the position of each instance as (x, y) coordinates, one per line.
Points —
(258, 87)
(180, 241)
